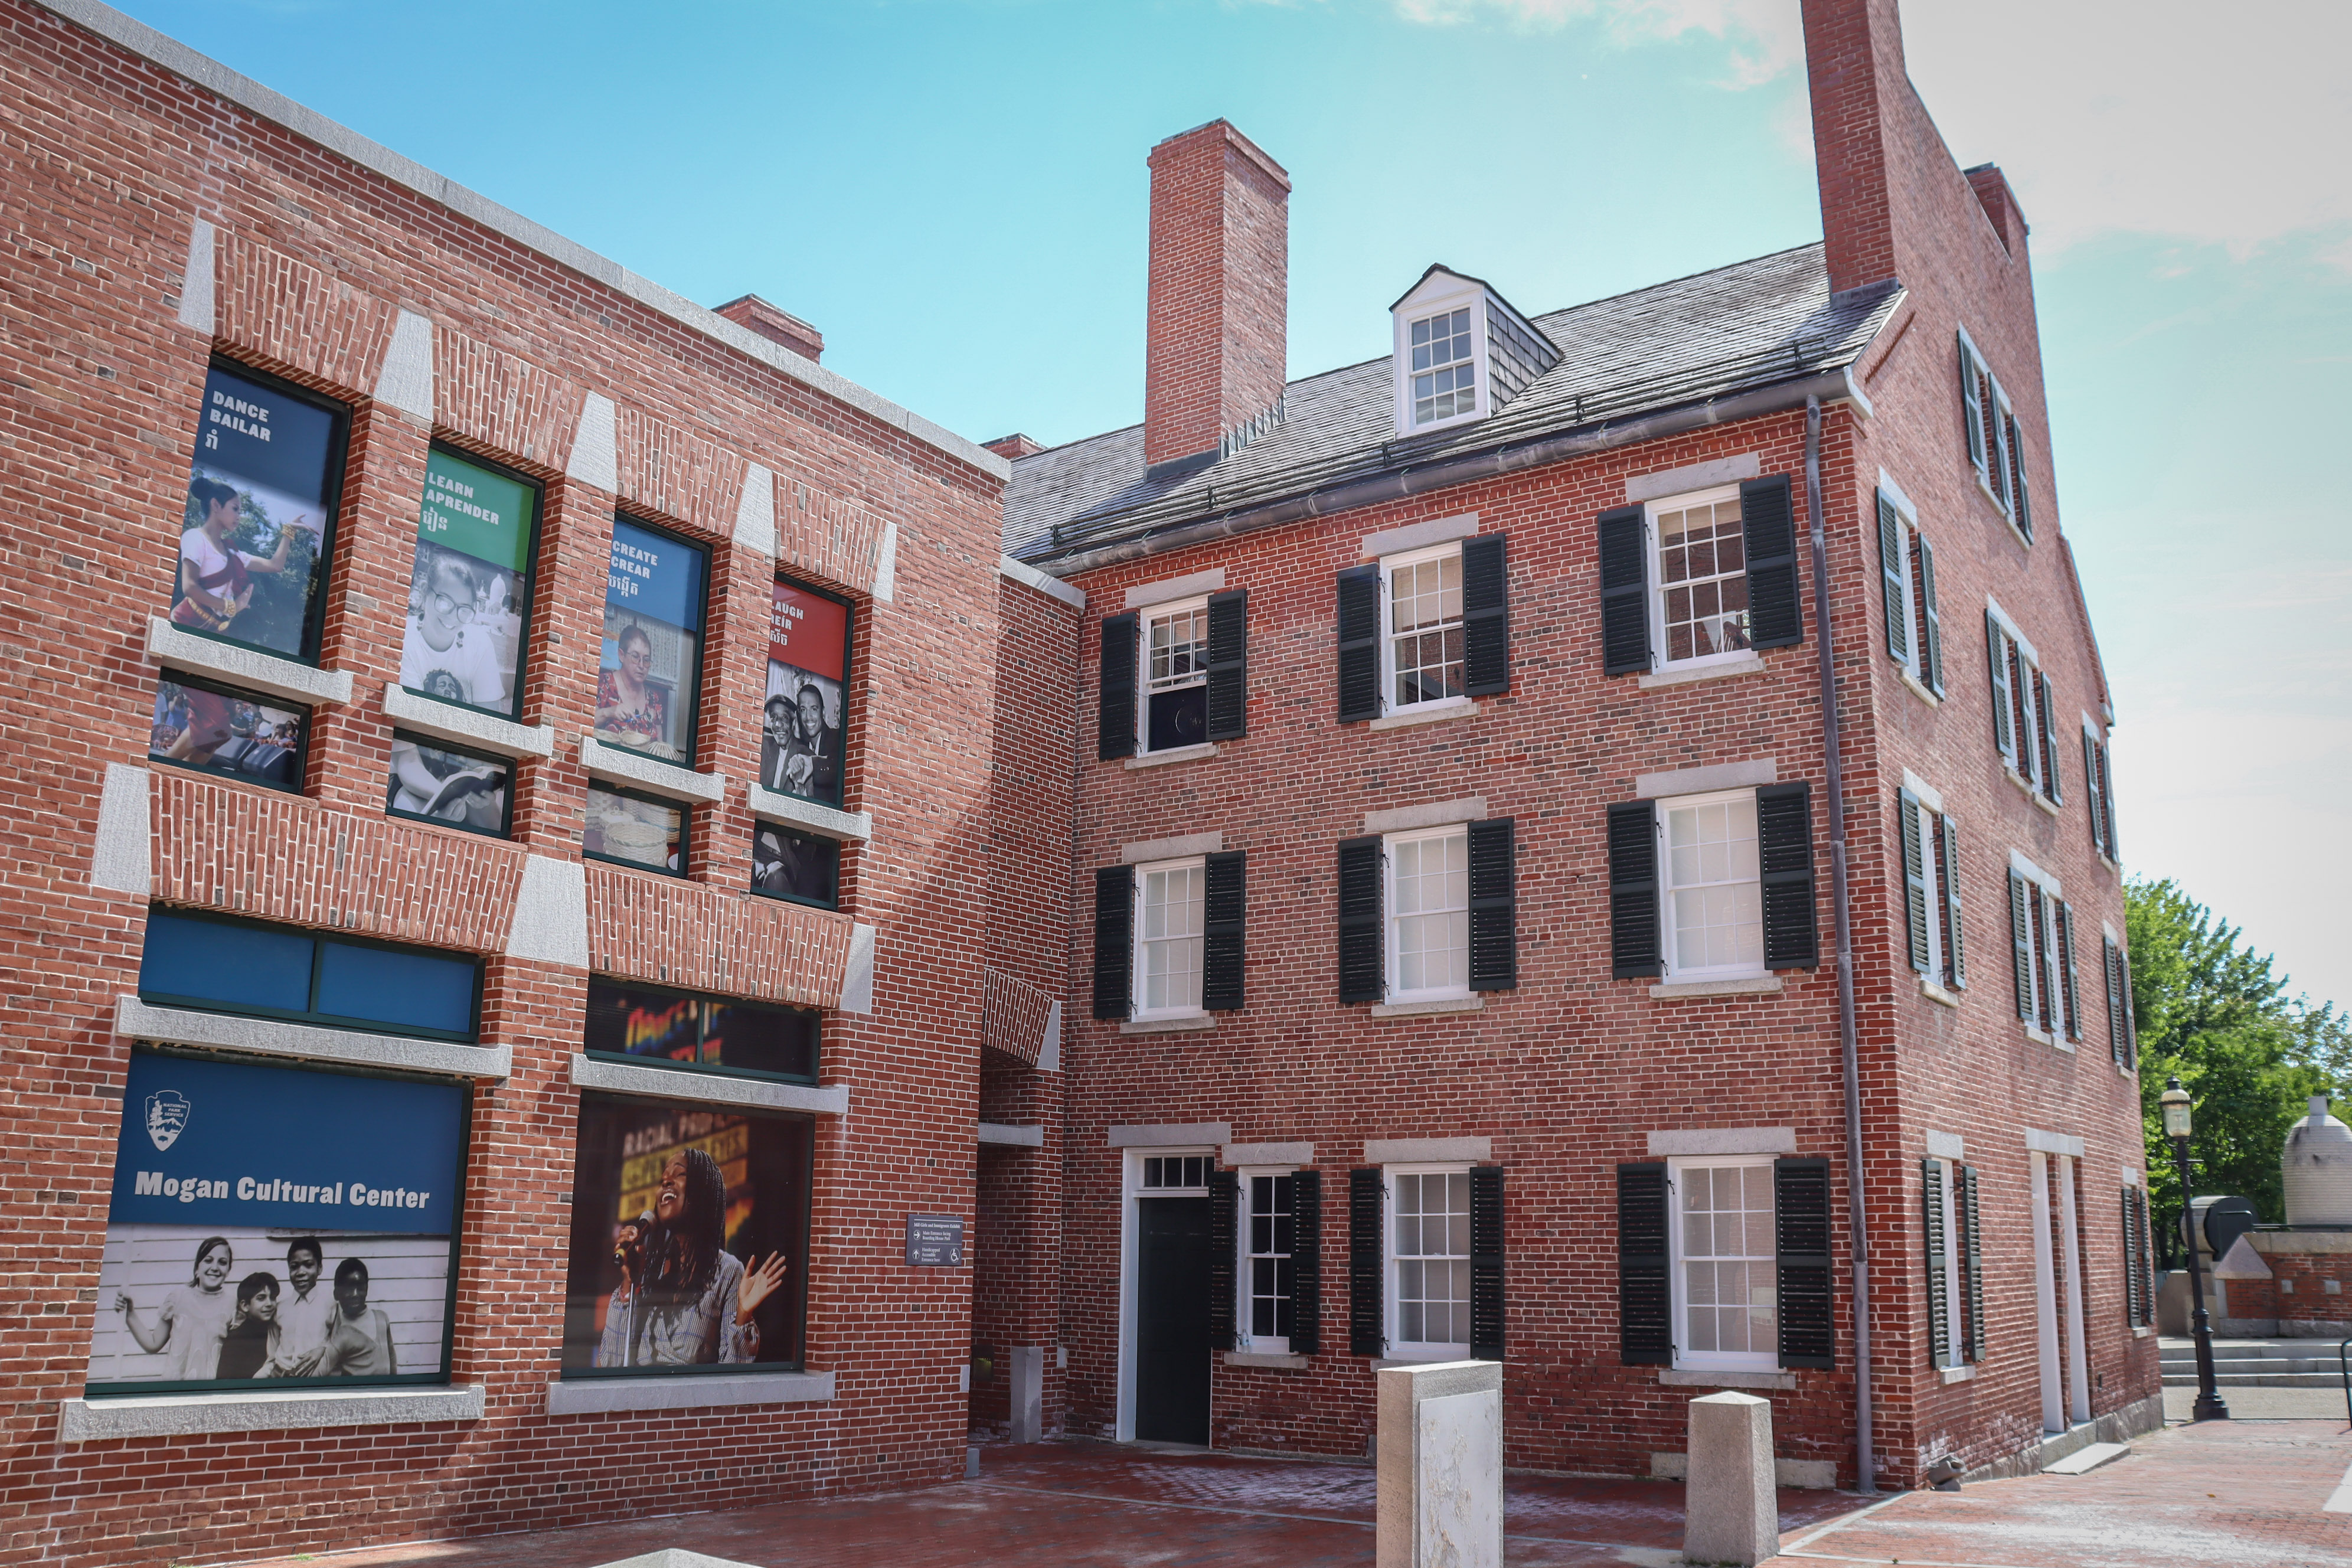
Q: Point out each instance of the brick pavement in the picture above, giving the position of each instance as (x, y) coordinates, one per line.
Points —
(2220, 1496)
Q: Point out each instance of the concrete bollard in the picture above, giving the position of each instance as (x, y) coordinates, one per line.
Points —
(1028, 1393)
(1731, 1512)
(1441, 1466)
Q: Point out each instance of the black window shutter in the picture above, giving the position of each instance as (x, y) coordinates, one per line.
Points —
(1114, 942)
(1493, 907)
(1225, 904)
(1363, 963)
(1115, 715)
(1784, 844)
(2115, 998)
(1634, 944)
(2021, 940)
(1997, 663)
(1776, 616)
(1802, 1226)
(2017, 480)
(1645, 1330)
(2131, 1256)
(1939, 1306)
(2091, 793)
(2108, 801)
(1625, 592)
(1306, 1262)
(2143, 1263)
(1931, 657)
(1914, 882)
(1956, 961)
(1485, 615)
(2131, 1014)
(1486, 1262)
(2072, 986)
(1973, 1269)
(1359, 644)
(1971, 413)
(1224, 1194)
(1229, 665)
(2047, 701)
(1366, 1266)
(1894, 580)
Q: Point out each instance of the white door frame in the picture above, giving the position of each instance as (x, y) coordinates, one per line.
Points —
(1131, 1192)
(2078, 1371)
(2046, 1291)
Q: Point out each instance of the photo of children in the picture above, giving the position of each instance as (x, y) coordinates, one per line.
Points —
(441, 785)
(276, 1224)
(253, 534)
(635, 831)
(470, 587)
(796, 865)
(653, 648)
(805, 718)
(688, 1237)
(231, 733)
(266, 1324)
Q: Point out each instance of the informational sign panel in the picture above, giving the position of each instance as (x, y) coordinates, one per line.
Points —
(934, 1241)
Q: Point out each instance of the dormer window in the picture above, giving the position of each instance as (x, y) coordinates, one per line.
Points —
(1462, 353)
(1444, 370)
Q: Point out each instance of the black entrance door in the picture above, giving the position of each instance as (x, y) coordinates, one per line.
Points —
(1171, 1320)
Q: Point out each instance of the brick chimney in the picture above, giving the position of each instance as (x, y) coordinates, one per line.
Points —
(776, 326)
(1013, 446)
(1215, 350)
(1853, 64)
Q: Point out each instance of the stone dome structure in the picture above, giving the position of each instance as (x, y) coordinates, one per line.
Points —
(2318, 1169)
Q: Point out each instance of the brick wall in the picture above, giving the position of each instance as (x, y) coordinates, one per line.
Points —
(111, 161)
(1216, 330)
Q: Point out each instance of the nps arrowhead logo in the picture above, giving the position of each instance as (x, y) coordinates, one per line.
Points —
(167, 1117)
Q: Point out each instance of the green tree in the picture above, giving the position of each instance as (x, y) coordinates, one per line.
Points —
(2213, 1011)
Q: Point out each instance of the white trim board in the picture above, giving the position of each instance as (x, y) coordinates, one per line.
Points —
(1702, 781)
(1151, 850)
(1148, 595)
(1174, 1135)
(1708, 476)
(706, 1088)
(1723, 1141)
(1418, 535)
(261, 1410)
(1053, 587)
(137, 1020)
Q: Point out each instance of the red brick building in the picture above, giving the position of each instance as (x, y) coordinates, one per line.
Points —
(1459, 889)
(493, 1045)
(504, 1018)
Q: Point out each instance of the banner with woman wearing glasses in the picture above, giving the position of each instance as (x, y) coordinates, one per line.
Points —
(475, 530)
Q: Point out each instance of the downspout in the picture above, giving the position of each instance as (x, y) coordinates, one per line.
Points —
(1865, 1469)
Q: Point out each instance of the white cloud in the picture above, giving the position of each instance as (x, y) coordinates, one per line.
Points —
(2223, 124)
(1765, 36)
(2217, 124)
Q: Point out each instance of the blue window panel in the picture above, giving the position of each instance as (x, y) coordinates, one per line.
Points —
(242, 967)
(405, 990)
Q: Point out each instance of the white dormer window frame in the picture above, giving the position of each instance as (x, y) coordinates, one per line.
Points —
(1442, 295)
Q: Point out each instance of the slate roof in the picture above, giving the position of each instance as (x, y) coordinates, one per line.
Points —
(1737, 327)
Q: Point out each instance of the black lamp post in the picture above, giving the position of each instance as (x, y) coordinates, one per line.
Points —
(2210, 1407)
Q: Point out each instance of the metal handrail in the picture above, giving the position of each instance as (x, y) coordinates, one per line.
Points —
(2345, 1366)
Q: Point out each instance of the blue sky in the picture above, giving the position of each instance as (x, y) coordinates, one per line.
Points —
(953, 191)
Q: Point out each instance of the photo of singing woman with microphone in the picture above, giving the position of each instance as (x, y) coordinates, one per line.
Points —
(683, 1299)
(688, 1231)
